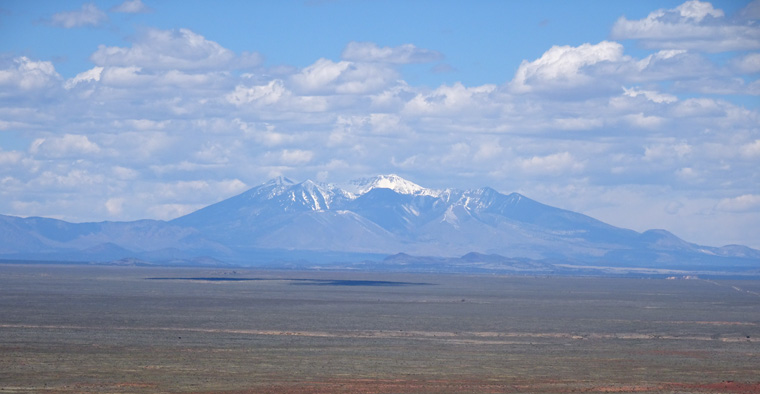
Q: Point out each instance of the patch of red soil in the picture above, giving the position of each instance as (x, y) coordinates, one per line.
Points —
(727, 386)
(387, 386)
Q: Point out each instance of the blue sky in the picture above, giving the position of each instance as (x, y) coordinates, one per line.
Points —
(643, 114)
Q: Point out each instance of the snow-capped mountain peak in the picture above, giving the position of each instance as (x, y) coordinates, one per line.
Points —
(280, 216)
(391, 181)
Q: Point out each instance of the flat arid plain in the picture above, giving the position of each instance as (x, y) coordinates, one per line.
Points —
(85, 329)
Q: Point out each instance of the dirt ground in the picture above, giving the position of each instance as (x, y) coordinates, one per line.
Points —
(127, 330)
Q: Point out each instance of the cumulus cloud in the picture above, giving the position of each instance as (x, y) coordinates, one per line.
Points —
(88, 15)
(599, 69)
(131, 7)
(274, 96)
(564, 66)
(10, 158)
(743, 203)
(699, 107)
(26, 75)
(404, 54)
(176, 109)
(173, 49)
(669, 64)
(86, 76)
(67, 179)
(447, 100)
(641, 120)
(294, 157)
(751, 150)
(692, 25)
(650, 95)
(125, 77)
(68, 145)
(124, 173)
(267, 94)
(667, 151)
(115, 205)
(747, 64)
(344, 77)
(553, 164)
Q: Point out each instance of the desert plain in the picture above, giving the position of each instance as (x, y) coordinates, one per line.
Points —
(105, 329)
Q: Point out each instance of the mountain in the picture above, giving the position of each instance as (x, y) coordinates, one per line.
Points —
(368, 219)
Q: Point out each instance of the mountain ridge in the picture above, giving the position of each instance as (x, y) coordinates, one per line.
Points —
(382, 215)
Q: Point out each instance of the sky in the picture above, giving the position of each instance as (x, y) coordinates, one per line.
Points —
(643, 114)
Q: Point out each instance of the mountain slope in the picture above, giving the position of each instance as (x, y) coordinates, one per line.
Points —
(382, 215)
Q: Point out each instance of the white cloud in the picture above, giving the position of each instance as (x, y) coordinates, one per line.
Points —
(578, 123)
(115, 205)
(274, 96)
(319, 75)
(488, 150)
(667, 151)
(267, 94)
(131, 7)
(173, 49)
(231, 186)
(294, 157)
(577, 73)
(67, 179)
(747, 64)
(140, 147)
(344, 77)
(387, 124)
(455, 99)
(669, 65)
(404, 54)
(751, 150)
(687, 173)
(124, 173)
(374, 123)
(267, 136)
(125, 76)
(185, 80)
(144, 124)
(87, 76)
(176, 189)
(650, 95)
(25, 74)
(215, 153)
(743, 203)
(698, 107)
(66, 146)
(563, 66)
(171, 109)
(697, 11)
(554, 164)
(89, 15)
(692, 25)
(10, 157)
(644, 121)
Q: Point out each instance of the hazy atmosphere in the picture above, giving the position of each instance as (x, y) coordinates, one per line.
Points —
(643, 114)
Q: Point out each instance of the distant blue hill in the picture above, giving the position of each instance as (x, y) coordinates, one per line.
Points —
(358, 224)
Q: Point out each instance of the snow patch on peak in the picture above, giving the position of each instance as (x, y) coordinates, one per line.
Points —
(392, 181)
(317, 197)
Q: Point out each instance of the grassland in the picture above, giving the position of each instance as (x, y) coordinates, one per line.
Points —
(72, 329)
